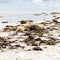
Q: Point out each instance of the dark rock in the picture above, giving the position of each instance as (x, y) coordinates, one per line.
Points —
(2, 39)
(29, 40)
(35, 44)
(44, 41)
(12, 41)
(55, 21)
(25, 21)
(52, 42)
(29, 49)
(37, 49)
(22, 47)
(49, 42)
(57, 18)
(14, 47)
(6, 30)
(6, 43)
(52, 38)
(5, 22)
(17, 46)
(9, 26)
(36, 27)
(33, 27)
(54, 16)
(3, 46)
(37, 39)
(27, 34)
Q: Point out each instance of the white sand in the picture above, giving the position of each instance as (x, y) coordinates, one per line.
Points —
(49, 53)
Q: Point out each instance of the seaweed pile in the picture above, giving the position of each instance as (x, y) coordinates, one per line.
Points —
(32, 35)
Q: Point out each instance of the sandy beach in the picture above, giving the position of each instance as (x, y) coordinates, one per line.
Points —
(29, 29)
(30, 40)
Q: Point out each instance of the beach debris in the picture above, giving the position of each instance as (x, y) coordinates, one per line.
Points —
(54, 16)
(9, 28)
(3, 42)
(25, 21)
(55, 13)
(31, 35)
(49, 42)
(5, 22)
(37, 27)
(29, 40)
(56, 20)
(2, 39)
(14, 47)
(1, 16)
(37, 48)
(37, 14)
